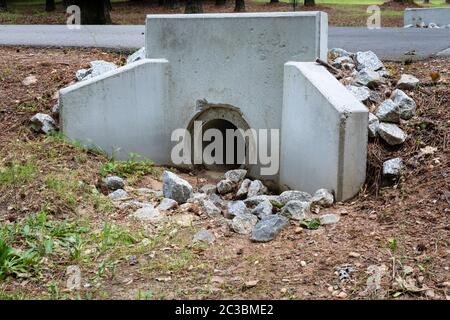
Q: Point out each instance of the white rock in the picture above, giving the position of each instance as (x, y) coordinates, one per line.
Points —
(338, 52)
(290, 195)
(42, 122)
(225, 186)
(368, 60)
(208, 189)
(97, 68)
(209, 208)
(407, 82)
(176, 188)
(263, 209)
(388, 111)
(204, 236)
(243, 189)
(114, 182)
(268, 228)
(296, 210)
(256, 188)
(184, 220)
(361, 93)
(408, 26)
(392, 168)
(236, 175)
(118, 194)
(323, 198)
(328, 218)
(391, 133)
(254, 201)
(136, 56)
(147, 213)
(374, 124)
(244, 223)
(340, 61)
(369, 78)
(167, 204)
(28, 81)
(236, 208)
(406, 104)
(433, 25)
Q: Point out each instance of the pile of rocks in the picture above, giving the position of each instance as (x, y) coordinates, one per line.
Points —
(430, 25)
(243, 205)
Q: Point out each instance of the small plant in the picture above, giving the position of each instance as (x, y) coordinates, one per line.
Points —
(128, 168)
(15, 173)
(392, 244)
(312, 224)
(144, 295)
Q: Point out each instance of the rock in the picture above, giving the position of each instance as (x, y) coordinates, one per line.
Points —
(391, 133)
(377, 97)
(118, 194)
(204, 236)
(296, 209)
(323, 198)
(176, 188)
(368, 60)
(28, 81)
(340, 61)
(209, 189)
(290, 195)
(136, 56)
(329, 218)
(98, 67)
(408, 26)
(360, 93)
(268, 228)
(197, 197)
(218, 201)
(55, 109)
(167, 204)
(236, 208)
(374, 123)
(243, 223)
(209, 208)
(369, 78)
(235, 176)
(406, 104)
(225, 186)
(147, 213)
(421, 24)
(407, 82)
(433, 25)
(243, 189)
(392, 168)
(114, 182)
(388, 111)
(256, 188)
(184, 220)
(263, 209)
(338, 52)
(254, 201)
(42, 123)
(384, 73)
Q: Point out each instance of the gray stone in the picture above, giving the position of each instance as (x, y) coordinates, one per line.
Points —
(114, 182)
(97, 68)
(42, 123)
(147, 213)
(323, 198)
(369, 78)
(329, 218)
(204, 236)
(256, 188)
(243, 189)
(360, 93)
(338, 52)
(167, 204)
(209, 189)
(243, 223)
(296, 210)
(340, 61)
(407, 82)
(28, 81)
(406, 104)
(218, 201)
(368, 60)
(290, 195)
(388, 111)
(55, 109)
(254, 201)
(225, 186)
(236, 175)
(236, 208)
(263, 209)
(433, 25)
(384, 73)
(176, 188)
(197, 197)
(136, 56)
(392, 168)
(374, 124)
(209, 208)
(81, 74)
(118, 194)
(268, 228)
(391, 133)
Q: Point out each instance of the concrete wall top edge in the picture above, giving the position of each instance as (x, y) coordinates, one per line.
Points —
(339, 97)
(236, 15)
(109, 74)
(426, 9)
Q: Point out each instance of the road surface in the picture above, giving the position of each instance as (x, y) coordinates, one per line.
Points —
(387, 43)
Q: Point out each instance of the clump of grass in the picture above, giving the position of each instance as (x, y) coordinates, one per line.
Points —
(15, 173)
(312, 224)
(131, 168)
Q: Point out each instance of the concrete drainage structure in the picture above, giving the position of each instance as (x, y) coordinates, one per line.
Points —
(251, 70)
(416, 16)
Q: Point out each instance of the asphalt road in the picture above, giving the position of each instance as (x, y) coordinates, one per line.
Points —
(387, 43)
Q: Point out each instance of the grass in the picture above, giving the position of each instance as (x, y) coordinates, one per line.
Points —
(132, 169)
(15, 173)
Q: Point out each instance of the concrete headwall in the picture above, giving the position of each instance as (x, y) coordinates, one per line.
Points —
(323, 133)
(440, 16)
(122, 111)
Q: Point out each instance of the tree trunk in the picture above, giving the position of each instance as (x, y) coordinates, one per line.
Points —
(49, 5)
(447, 1)
(94, 12)
(426, 1)
(310, 3)
(221, 2)
(193, 6)
(3, 6)
(239, 6)
(274, 1)
(404, 1)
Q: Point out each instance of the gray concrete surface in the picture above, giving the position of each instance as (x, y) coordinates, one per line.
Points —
(387, 43)
(440, 16)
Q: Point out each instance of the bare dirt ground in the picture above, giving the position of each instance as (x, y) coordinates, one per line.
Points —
(52, 216)
(127, 13)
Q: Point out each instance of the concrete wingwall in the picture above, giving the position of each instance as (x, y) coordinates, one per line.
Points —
(121, 112)
(323, 133)
(440, 16)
